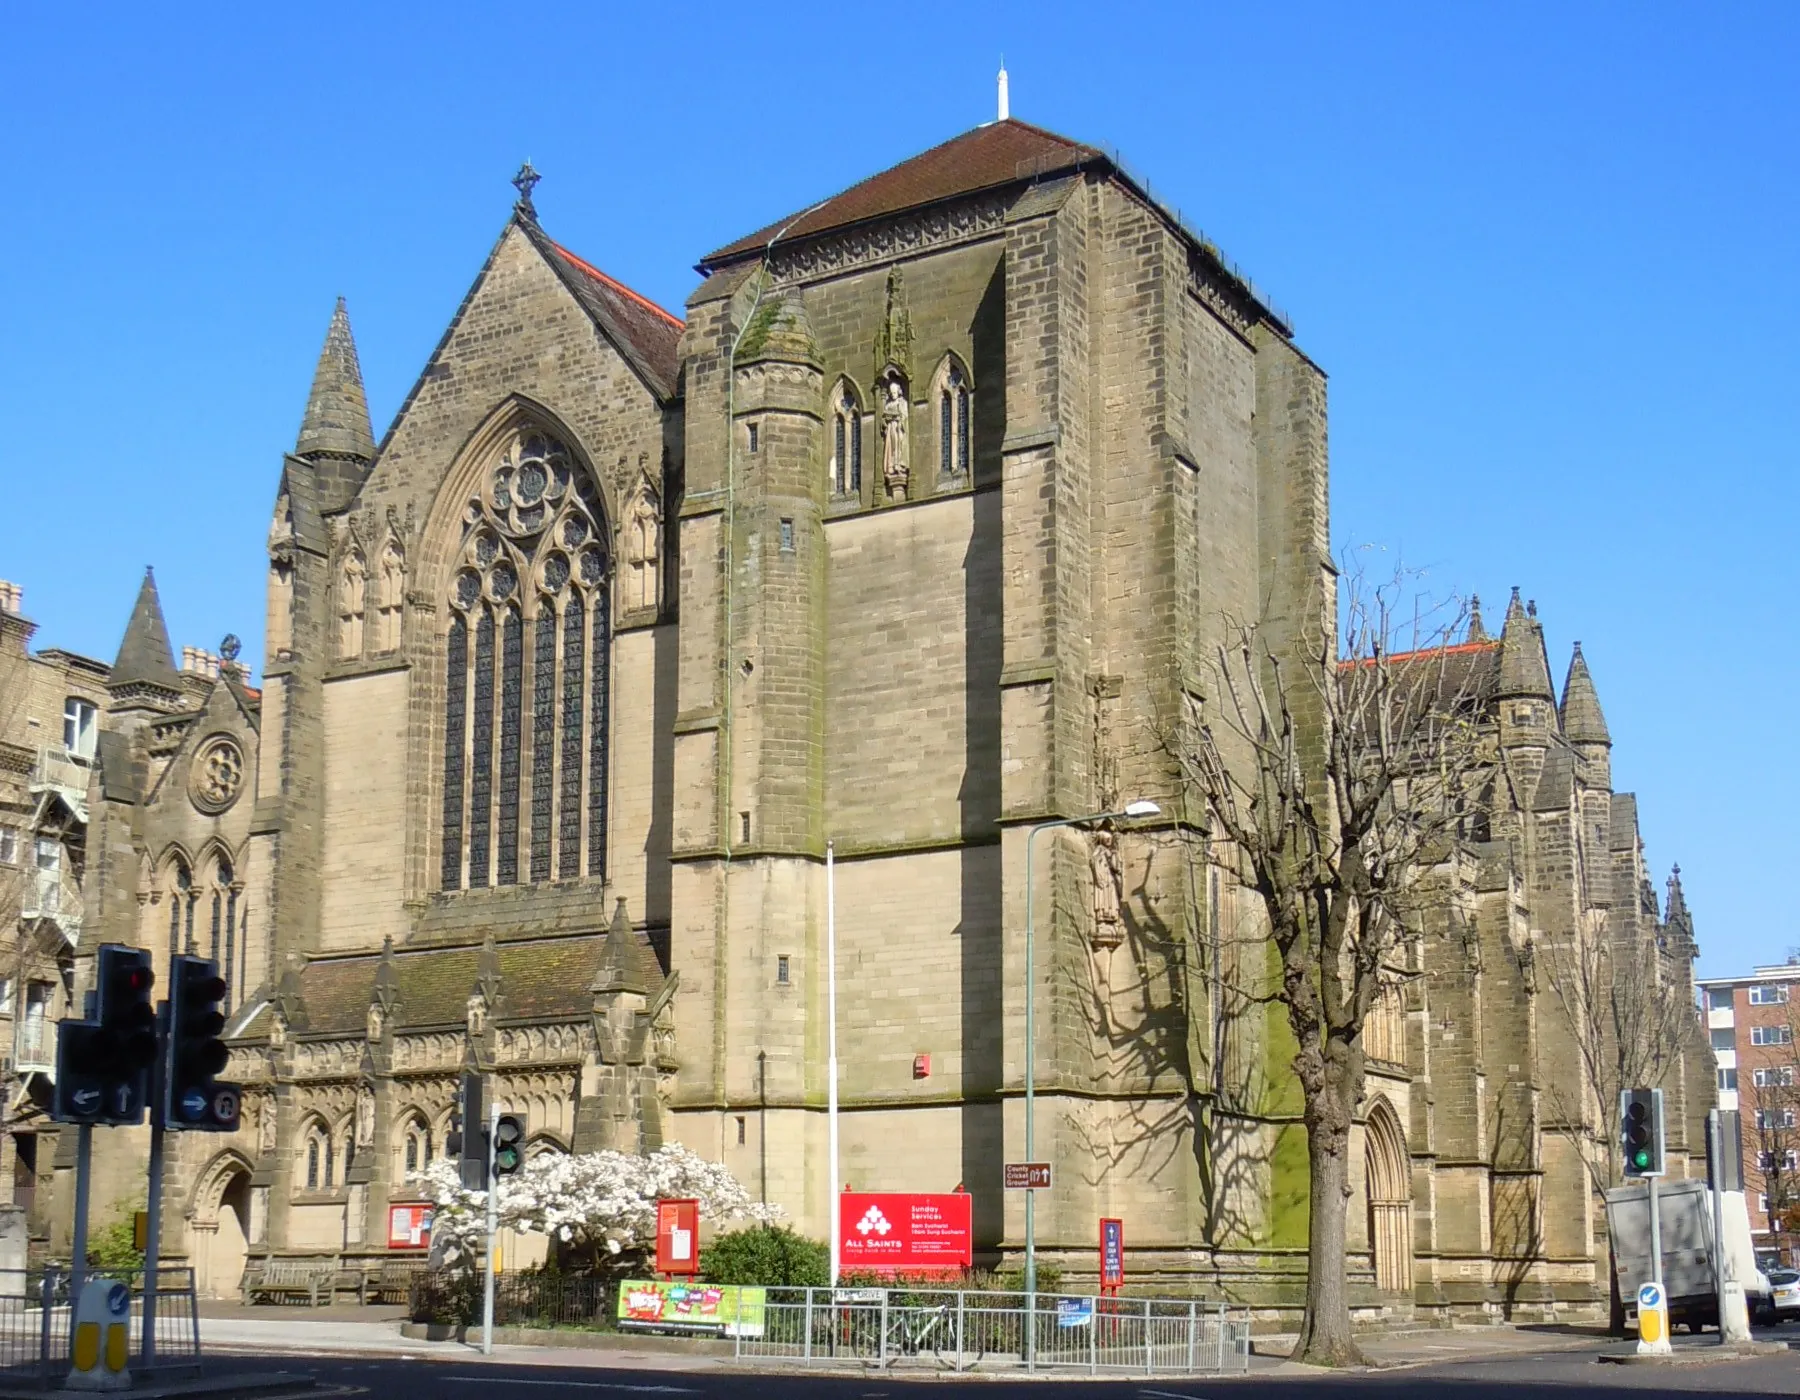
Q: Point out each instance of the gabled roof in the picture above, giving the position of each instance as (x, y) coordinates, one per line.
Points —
(1000, 153)
(644, 333)
(145, 657)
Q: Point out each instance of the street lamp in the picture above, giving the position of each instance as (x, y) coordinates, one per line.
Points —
(1143, 807)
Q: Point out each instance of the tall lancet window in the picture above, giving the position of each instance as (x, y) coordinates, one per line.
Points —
(953, 419)
(846, 440)
(353, 580)
(527, 659)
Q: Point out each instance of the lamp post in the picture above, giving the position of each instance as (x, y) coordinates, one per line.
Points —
(1143, 807)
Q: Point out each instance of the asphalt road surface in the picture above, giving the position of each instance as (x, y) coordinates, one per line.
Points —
(1549, 1376)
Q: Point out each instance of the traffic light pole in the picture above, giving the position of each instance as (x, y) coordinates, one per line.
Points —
(153, 1205)
(493, 1223)
(1656, 1276)
(84, 1156)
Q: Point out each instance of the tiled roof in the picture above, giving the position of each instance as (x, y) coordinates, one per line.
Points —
(999, 153)
(645, 334)
(539, 979)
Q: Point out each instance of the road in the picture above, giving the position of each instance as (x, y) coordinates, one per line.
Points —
(1548, 1376)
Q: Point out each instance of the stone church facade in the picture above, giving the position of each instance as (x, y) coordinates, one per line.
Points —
(911, 535)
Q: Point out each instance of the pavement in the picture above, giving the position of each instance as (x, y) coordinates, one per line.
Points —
(350, 1350)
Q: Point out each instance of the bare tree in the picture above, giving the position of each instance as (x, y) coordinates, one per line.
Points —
(1333, 782)
(1627, 1016)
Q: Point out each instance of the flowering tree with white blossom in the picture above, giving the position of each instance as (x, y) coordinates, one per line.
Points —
(601, 1204)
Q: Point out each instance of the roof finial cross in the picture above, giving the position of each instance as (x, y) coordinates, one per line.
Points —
(525, 182)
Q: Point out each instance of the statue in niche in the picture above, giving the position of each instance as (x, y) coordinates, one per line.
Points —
(365, 1117)
(376, 1020)
(643, 549)
(1109, 880)
(894, 413)
(265, 1125)
(477, 1014)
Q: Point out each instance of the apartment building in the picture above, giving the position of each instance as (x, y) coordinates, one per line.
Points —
(1751, 1022)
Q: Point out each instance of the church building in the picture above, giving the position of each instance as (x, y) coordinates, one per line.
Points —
(909, 535)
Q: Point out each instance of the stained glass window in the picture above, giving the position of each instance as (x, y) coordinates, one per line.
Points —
(568, 855)
(543, 735)
(846, 427)
(953, 420)
(596, 864)
(481, 752)
(533, 548)
(512, 661)
(456, 656)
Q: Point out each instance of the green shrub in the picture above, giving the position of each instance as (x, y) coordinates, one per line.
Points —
(112, 1249)
(770, 1255)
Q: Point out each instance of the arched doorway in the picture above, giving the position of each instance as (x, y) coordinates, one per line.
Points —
(220, 1227)
(1389, 1176)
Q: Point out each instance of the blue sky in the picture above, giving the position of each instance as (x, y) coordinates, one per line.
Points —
(1545, 252)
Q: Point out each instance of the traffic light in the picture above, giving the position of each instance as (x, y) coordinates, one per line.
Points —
(103, 1064)
(468, 1138)
(192, 1099)
(1641, 1131)
(509, 1145)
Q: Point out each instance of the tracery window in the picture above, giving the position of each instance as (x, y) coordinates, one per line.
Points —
(527, 656)
(846, 440)
(352, 587)
(321, 1166)
(416, 1146)
(181, 909)
(953, 419)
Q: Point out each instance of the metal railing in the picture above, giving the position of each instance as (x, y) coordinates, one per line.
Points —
(965, 1331)
(34, 1322)
(520, 1300)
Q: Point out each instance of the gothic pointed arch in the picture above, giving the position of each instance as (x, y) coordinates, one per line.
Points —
(953, 416)
(1388, 1174)
(390, 594)
(177, 881)
(352, 601)
(845, 412)
(527, 583)
(214, 1178)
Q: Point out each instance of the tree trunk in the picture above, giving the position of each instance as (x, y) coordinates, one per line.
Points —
(1325, 1338)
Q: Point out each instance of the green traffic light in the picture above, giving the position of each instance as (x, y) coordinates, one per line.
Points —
(1640, 1159)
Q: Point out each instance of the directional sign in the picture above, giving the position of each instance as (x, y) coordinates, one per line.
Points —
(1027, 1176)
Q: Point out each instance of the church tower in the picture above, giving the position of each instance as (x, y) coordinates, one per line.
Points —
(330, 458)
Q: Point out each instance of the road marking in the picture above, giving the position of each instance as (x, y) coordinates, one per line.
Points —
(582, 1385)
(1172, 1395)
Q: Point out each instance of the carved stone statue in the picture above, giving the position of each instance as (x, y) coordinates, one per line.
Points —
(894, 459)
(477, 1014)
(377, 1018)
(265, 1125)
(643, 549)
(1109, 881)
(365, 1117)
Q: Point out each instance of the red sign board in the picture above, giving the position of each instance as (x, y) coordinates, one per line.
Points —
(1112, 1253)
(904, 1232)
(678, 1238)
(409, 1227)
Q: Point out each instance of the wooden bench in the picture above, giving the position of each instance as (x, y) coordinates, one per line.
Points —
(290, 1280)
(391, 1280)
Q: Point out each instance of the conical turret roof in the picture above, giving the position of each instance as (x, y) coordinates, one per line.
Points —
(1524, 664)
(1582, 720)
(145, 657)
(337, 411)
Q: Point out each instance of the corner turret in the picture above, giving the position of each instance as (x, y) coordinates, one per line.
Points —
(143, 675)
(335, 434)
(1583, 723)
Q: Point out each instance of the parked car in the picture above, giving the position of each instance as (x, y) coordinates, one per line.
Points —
(1784, 1293)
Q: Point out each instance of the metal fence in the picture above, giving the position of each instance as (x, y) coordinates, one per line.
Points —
(34, 1322)
(520, 1300)
(962, 1331)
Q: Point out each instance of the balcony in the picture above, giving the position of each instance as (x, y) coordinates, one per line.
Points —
(53, 895)
(34, 1046)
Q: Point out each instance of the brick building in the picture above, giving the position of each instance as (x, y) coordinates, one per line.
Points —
(1752, 1022)
(912, 534)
